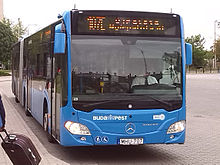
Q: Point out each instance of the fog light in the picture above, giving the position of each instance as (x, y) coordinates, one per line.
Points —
(76, 128)
(176, 127)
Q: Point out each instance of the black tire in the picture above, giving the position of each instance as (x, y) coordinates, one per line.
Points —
(46, 125)
(27, 113)
(16, 100)
(24, 99)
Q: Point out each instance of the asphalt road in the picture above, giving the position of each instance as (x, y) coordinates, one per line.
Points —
(202, 144)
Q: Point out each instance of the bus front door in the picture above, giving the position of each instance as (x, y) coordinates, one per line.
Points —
(56, 99)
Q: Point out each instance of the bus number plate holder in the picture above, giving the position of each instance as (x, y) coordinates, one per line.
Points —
(131, 141)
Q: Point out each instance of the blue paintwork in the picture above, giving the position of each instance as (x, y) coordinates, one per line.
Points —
(60, 40)
(59, 43)
(58, 28)
(66, 112)
(188, 54)
(182, 113)
(114, 130)
(67, 22)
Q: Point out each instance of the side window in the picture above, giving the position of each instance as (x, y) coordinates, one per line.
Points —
(15, 59)
(46, 55)
(45, 64)
(38, 65)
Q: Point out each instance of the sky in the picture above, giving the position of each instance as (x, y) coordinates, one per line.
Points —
(198, 16)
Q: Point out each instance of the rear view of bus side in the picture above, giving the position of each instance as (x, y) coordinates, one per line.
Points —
(105, 78)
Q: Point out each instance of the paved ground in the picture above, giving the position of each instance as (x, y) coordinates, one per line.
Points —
(202, 144)
(16, 122)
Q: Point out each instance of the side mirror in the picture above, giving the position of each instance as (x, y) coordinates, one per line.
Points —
(188, 51)
(59, 43)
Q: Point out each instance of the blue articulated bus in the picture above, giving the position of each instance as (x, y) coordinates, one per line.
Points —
(105, 78)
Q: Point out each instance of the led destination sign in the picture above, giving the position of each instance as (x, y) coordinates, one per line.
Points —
(98, 23)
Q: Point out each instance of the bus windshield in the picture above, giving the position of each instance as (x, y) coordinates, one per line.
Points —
(122, 72)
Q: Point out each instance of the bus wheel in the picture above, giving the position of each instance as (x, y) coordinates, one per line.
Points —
(24, 99)
(16, 100)
(27, 113)
(46, 128)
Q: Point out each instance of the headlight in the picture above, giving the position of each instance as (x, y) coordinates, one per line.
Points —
(177, 127)
(77, 128)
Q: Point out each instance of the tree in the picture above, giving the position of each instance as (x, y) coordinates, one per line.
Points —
(7, 22)
(9, 34)
(217, 46)
(209, 56)
(18, 29)
(7, 38)
(200, 55)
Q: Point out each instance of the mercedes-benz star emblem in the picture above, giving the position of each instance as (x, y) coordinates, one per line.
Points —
(130, 128)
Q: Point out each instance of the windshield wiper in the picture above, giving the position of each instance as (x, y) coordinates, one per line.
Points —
(168, 105)
(101, 102)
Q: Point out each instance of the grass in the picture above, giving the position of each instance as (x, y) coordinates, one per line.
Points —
(5, 72)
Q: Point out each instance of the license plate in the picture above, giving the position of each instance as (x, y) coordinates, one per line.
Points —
(132, 141)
